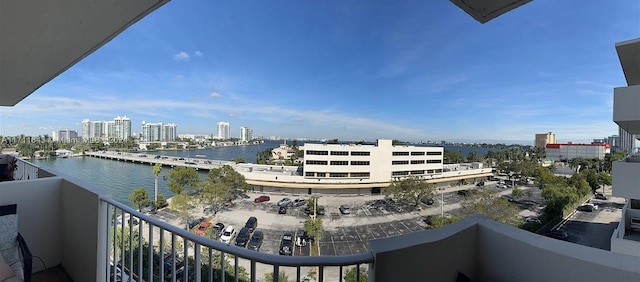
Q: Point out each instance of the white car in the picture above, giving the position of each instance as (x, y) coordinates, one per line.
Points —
(227, 235)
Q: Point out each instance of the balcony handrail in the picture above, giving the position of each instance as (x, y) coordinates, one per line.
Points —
(272, 259)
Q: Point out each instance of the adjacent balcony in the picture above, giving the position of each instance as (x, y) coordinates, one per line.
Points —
(72, 224)
(625, 175)
(626, 108)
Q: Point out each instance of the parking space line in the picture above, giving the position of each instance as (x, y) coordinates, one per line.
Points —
(333, 244)
(347, 239)
(382, 229)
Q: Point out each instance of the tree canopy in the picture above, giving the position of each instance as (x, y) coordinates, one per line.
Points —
(182, 204)
(490, 205)
(411, 190)
(183, 178)
(139, 197)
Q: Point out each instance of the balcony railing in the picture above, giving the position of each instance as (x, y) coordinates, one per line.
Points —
(142, 256)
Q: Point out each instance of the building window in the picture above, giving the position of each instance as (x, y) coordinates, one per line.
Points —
(434, 153)
(359, 153)
(399, 173)
(430, 171)
(360, 174)
(321, 174)
(417, 162)
(320, 153)
(400, 153)
(417, 172)
(399, 162)
(313, 162)
(417, 153)
(339, 153)
(438, 170)
(339, 162)
(434, 161)
(310, 174)
(359, 162)
(338, 174)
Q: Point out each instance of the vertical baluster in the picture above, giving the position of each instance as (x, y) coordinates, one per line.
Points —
(320, 273)
(173, 254)
(161, 264)
(140, 243)
(150, 227)
(224, 273)
(197, 267)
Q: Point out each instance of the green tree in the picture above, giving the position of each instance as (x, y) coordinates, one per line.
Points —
(351, 275)
(313, 227)
(517, 193)
(439, 221)
(239, 160)
(139, 197)
(220, 186)
(182, 204)
(161, 201)
(451, 157)
(181, 178)
(282, 277)
(411, 190)
(157, 168)
(491, 206)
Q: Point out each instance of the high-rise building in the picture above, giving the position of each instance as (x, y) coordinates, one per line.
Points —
(224, 130)
(93, 130)
(542, 139)
(614, 141)
(246, 134)
(66, 135)
(158, 132)
(169, 132)
(122, 128)
(627, 140)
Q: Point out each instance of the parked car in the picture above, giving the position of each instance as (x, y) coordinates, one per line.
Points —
(284, 202)
(282, 210)
(557, 234)
(481, 183)
(218, 228)
(344, 209)
(252, 223)
(194, 222)
(262, 198)
(256, 240)
(428, 201)
(463, 192)
(227, 234)
(321, 210)
(286, 245)
(532, 219)
(243, 237)
(600, 196)
(586, 208)
(203, 227)
(298, 202)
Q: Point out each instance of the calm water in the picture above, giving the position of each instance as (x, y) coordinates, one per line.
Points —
(122, 177)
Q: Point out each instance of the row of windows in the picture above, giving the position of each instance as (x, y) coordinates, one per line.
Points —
(416, 162)
(422, 153)
(415, 172)
(338, 174)
(315, 162)
(337, 153)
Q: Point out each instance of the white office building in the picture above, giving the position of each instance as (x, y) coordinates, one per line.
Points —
(224, 130)
(158, 132)
(375, 163)
(246, 134)
(117, 129)
(122, 128)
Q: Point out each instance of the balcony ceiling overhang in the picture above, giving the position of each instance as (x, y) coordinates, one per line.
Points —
(41, 39)
(486, 10)
(629, 54)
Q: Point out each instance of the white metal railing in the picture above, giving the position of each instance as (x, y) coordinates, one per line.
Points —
(24, 170)
(140, 257)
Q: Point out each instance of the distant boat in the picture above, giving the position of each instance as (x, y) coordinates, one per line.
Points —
(201, 156)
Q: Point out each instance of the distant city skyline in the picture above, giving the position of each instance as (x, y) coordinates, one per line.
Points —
(356, 70)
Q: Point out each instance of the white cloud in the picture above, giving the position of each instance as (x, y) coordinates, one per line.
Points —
(182, 56)
(199, 54)
(214, 95)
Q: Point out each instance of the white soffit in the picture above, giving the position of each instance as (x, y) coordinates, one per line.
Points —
(486, 10)
(41, 39)
(629, 54)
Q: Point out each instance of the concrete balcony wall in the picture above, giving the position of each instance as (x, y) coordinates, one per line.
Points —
(626, 108)
(485, 250)
(63, 223)
(618, 243)
(39, 216)
(626, 179)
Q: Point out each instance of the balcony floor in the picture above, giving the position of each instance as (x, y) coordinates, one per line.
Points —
(54, 274)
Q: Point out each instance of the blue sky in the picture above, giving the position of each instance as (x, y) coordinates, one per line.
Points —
(352, 70)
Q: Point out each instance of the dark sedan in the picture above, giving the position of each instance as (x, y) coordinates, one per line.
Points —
(243, 237)
(256, 241)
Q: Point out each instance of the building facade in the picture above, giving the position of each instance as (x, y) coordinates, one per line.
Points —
(158, 132)
(542, 139)
(224, 130)
(117, 129)
(627, 140)
(565, 152)
(66, 135)
(374, 163)
(246, 134)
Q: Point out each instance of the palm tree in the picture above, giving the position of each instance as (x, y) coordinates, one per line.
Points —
(157, 168)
